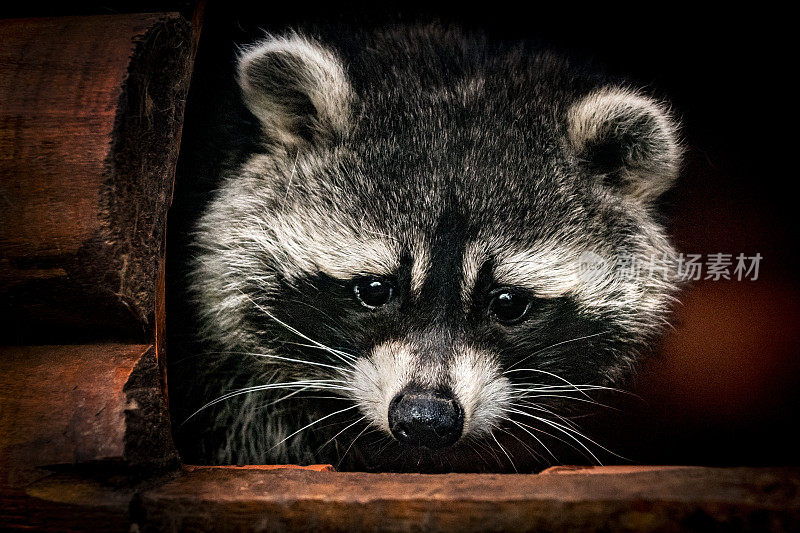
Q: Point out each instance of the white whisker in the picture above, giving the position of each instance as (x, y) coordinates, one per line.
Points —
(561, 396)
(342, 431)
(542, 431)
(315, 384)
(572, 385)
(343, 356)
(504, 451)
(313, 423)
(534, 454)
(351, 445)
(542, 444)
(537, 352)
(571, 432)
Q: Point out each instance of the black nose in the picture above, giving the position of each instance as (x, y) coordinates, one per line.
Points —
(426, 418)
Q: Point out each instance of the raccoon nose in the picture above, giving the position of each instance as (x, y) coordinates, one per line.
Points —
(426, 418)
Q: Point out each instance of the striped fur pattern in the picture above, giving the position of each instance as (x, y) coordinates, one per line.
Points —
(449, 167)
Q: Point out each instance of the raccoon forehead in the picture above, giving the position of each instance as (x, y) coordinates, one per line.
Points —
(591, 275)
(548, 270)
(302, 244)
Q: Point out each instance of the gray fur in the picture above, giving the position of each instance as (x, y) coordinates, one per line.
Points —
(439, 161)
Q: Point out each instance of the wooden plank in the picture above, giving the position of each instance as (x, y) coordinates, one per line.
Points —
(67, 502)
(615, 498)
(80, 404)
(313, 468)
(91, 110)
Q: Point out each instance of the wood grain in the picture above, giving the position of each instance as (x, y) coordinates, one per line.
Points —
(602, 498)
(69, 405)
(67, 502)
(90, 119)
(297, 499)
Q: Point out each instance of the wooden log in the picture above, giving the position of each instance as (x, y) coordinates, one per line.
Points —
(68, 405)
(91, 110)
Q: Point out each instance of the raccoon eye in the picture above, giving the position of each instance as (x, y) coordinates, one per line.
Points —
(373, 293)
(509, 306)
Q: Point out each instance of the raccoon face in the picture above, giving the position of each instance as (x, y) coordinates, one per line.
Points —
(437, 241)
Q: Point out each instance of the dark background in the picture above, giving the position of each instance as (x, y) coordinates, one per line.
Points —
(724, 388)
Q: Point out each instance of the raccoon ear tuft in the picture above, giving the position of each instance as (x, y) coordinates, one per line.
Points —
(629, 139)
(297, 88)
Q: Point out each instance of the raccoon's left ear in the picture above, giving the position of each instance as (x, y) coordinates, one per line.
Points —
(629, 139)
(297, 89)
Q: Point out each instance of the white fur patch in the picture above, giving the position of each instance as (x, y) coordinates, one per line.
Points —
(484, 393)
(597, 279)
(378, 378)
(252, 233)
(475, 255)
(308, 246)
(548, 271)
(420, 268)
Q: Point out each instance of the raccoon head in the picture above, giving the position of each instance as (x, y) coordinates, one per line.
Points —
(437, 233)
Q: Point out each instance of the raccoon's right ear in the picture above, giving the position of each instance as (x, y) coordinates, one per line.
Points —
(296, 88)
(629, 139)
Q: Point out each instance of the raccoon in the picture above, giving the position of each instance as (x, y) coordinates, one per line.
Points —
(419, 266)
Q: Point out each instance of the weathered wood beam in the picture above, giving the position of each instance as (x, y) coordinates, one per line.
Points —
(67, 502)
(91, 110)
(616, 498)
(72, 405)
(602, 498)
